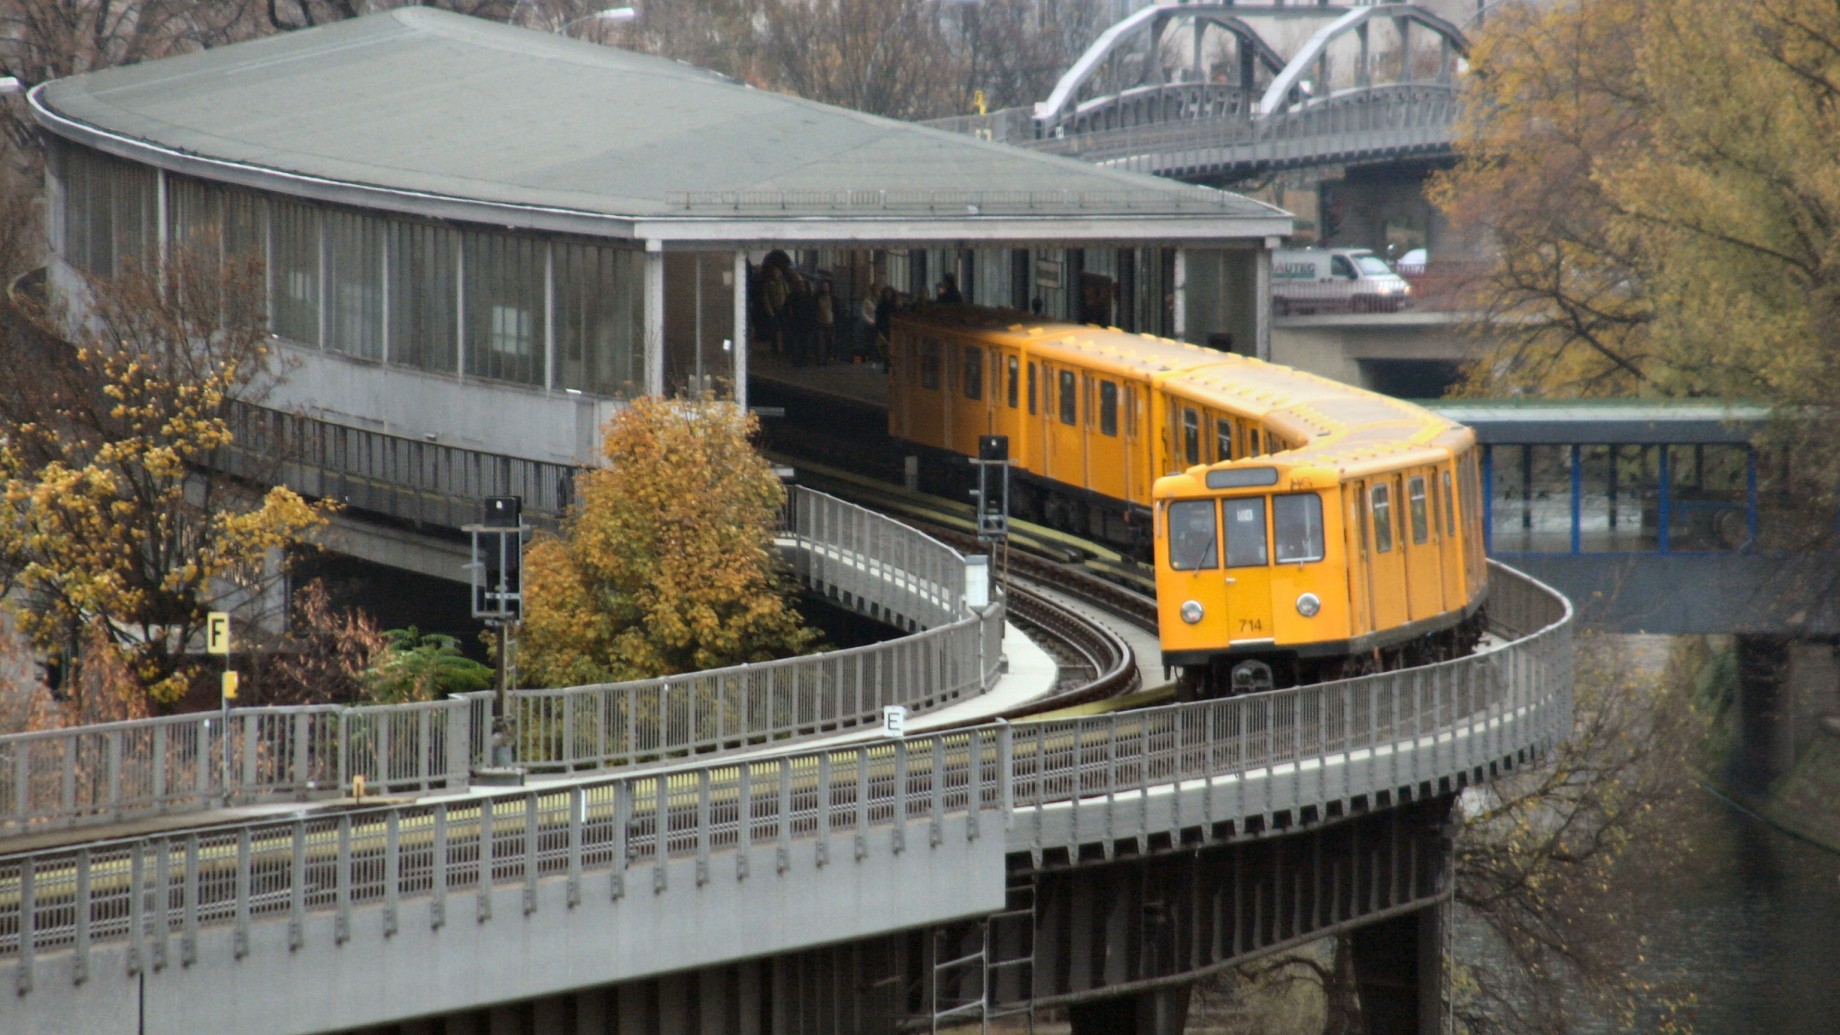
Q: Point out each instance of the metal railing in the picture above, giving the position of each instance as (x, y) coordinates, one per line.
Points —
(119, 770)
(1425, 727)
(159, 891)
(1379, 120)
(108, 773)
(1429, 724)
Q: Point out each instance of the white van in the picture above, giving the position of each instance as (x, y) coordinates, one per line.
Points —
(1310, 280)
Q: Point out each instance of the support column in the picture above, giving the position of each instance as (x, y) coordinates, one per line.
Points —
(738, 345)
(1765, 746)
(1399, 973)
(654, 318)
(1155, 1011)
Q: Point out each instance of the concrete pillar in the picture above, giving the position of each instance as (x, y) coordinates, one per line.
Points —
(1155, 1011)
(1765, 746)
(1399, 972)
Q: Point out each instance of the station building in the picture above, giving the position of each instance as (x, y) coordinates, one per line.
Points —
(490, 237)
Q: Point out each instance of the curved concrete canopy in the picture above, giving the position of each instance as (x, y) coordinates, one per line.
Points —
(1152, 20)
(1278, 93)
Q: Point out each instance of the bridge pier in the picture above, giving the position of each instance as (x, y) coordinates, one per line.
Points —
(1785, 687)
(1399, 972)
(1156, 1011)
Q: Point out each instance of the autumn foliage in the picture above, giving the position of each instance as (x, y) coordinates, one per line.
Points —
(118, 531)
(665, 563)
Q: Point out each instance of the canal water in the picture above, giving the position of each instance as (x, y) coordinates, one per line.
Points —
(1755, 929)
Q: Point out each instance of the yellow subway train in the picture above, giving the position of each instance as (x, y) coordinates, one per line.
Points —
(1301, 529)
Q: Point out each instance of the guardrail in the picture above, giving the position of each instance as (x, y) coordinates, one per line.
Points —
(112, 772)
(154, 891)
(1431, 725)
(1379, 120)
(1426, 727)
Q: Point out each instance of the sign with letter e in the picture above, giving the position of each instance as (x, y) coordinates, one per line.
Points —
(894, 721)
(217, 633)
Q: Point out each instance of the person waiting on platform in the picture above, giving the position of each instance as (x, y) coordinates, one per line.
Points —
(826, 316)
(947, 291)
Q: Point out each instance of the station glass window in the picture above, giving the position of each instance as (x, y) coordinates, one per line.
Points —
(929, 364)
(1108, 408)
(296, 272)
(1192, 540)
(599, 324)
(973, 359)
(1070, 399)
(1245, 521)
(1383, 518)
(1014, 380)
(1223, 440)
(424, 297)
(1415, 497)
(1297, 524)
(354, 284)
(504, 322)
(1191, 436)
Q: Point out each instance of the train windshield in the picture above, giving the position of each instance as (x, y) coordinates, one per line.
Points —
(1192, 536)
(1297, 524)
(1245, 531)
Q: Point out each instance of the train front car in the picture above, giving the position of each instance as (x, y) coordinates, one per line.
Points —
(1354, 550)
(1251, 575)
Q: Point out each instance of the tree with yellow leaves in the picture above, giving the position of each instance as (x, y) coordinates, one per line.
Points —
(665, 563)
(120, 530)
(1660, 180)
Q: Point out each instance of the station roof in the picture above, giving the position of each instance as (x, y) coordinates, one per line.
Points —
(1605, 421)
(429, 112)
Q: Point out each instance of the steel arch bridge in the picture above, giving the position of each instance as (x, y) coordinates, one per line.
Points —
(1207, 91)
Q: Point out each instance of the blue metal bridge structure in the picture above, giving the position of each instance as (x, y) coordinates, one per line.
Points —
(1222, 92)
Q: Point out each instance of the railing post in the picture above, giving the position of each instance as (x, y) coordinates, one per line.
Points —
(784, 850)
(483, 893)
(824, 809)
(81, 919)
(578, 817)
(28, 921)
(243, 860)
(437, 878)
(188, 939)
(622, 817)
(297, 888)
(341, 921)
(702, 826)
(530, 852)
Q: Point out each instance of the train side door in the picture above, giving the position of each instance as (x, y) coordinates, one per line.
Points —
(1360, 560)
(1247, 575)
(1388, 569)
(1424, 556)
(1453, 543)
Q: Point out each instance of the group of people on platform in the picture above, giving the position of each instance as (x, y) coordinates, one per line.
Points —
(798, 315)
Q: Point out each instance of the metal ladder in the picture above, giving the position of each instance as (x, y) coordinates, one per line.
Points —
(985, 965)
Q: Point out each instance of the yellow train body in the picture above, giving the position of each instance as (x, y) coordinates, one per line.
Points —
(1344, 524)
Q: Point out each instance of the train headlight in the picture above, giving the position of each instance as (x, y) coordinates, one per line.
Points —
(1308, 605)
(1191, 611)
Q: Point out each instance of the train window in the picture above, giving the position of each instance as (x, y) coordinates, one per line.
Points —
(1383, 518)
(1450, 508)
(1108, 408)
(1070, 399)
(1252, 444)
(1415, 497)
(1191, 436)
(1297, 524)
(1245, 520)
(1223, 440)
(1031, 389)
(1130, 413)
(929, 364)
(1192, 542)
(974, 372)
(1014, 380)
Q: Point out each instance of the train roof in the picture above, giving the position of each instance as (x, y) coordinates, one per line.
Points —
(1334, 425)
